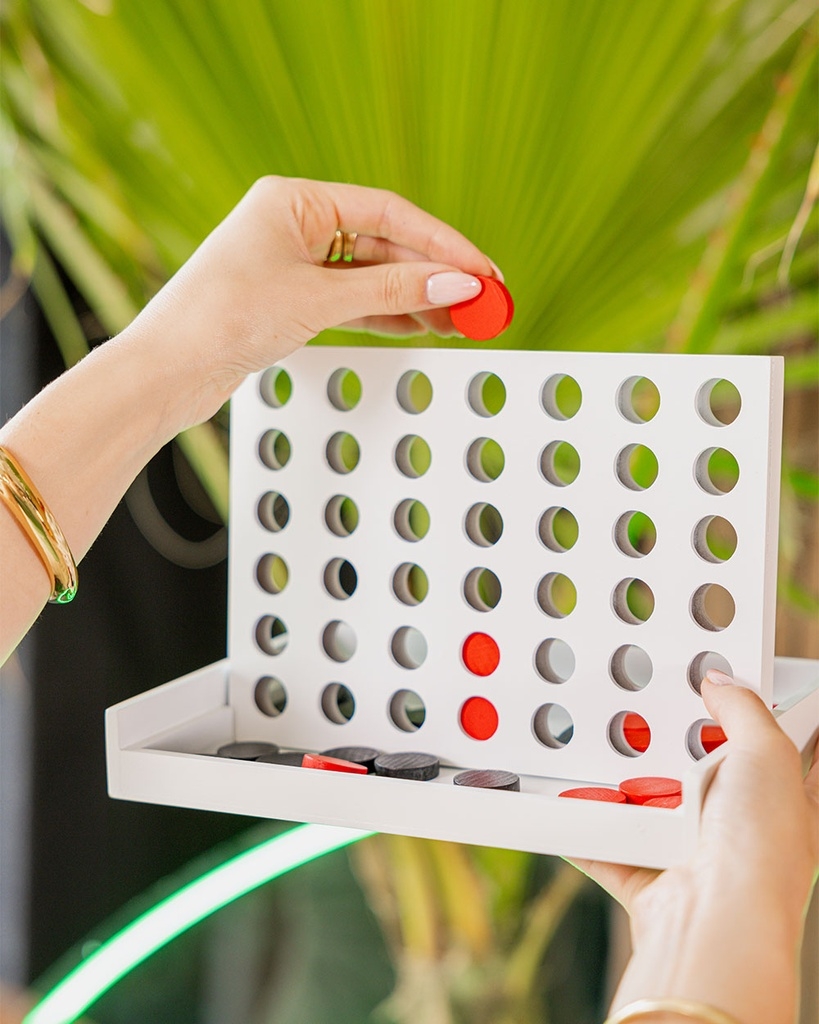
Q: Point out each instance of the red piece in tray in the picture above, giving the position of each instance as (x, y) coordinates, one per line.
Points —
(664, 801)
(488, 314)
(609, 796)
(649, 787)
(332, 764)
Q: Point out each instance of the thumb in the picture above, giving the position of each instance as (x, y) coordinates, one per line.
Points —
(746, 720)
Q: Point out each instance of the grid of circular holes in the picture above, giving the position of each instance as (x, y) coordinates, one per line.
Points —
(630, 667)
(486, 394)
(633, 601)
(485, 459)
(701, 663)
(343, 452)
(341, 515)
(554, 661)
(414, 392)
(556, 595)
(553, 726)
(270, 696)
(340, 578)
(717, 471)
(275, 387)
(274, 449)
(410, 584)
(344, 389)
(703, 736)
(483, 525)
(407, 711)
(482, 589)
(337, 703)
(719, 402)
(638, 399)
(409, 647)
(339, 640)
(558, 529)
(636, 467)
(411, 520)
(272, 573)
(712, 607)
(413, 456)
(273, 511)
(560, 463)
(714, 539)
(561, 396)
(635, 534)
(271, 635)
(629, 734)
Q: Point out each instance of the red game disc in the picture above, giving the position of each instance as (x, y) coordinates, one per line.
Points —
(481, 654)
(636, 732)
(664, 801)
(332, 764)
(608, 796)
(711, 737)
(648, 787)
(488, 314)
(479, 719)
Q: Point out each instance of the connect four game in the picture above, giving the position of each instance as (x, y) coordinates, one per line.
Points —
(466, 583)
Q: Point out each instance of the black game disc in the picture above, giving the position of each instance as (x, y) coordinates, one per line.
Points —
(292, 758)
(358, 755)
(419, 767)
(484, 779)
(247, 750)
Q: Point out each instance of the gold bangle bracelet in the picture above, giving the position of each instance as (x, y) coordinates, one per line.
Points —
(681, 1007)
(26, 504)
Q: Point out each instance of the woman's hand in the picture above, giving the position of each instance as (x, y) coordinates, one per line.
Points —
(257, 288)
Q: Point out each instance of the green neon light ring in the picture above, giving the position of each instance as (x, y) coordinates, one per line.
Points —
(178, 912)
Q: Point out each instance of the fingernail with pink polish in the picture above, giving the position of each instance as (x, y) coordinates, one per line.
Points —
(449, 287)
(497, 269)
(713, 675)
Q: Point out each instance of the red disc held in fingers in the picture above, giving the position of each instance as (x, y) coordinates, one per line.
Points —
(649, 787)
(636, 732)
(480, 654)
(711, 737)
(664, 801)
(488, 314)
(479, 719)
(607, 796)
(332, 764)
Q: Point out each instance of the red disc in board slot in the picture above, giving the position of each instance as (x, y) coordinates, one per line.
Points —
(479, 719)
(664, 801)
(332, 764)
(711, 737)
(636, 732)
(480, 654)
(488, 314)
(607, 796)
(649, 787)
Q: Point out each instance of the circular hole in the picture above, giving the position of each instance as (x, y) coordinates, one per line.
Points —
(561, 396)
(717, 471)
(629, 734)
(701, 663)
(554, 661)
(414, 392)
(633, 601)
(635, 534)
(553, 726)
(483, 525)
(270, 696)
(343, 452)
(273, 512)
(704, 736)
(557, 595)
(719, 402)
(407, 711)
(637, 467)
(638, 399)
(715, 539)
(479, 718)
(272, 573)
(340, 578)
(409, 647)
(482, 590)
(712, 607)
(341, 515)
(558, 529)
(480, 654)
(338, 640)
(274, 449)
(410, 584)
(411, 520)
(271, 634)
(275, 387)
(485, 459)
(631, 667)
(344, 389)
(412, 456)
(486, 394)
(560, 463)
(337, 703)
